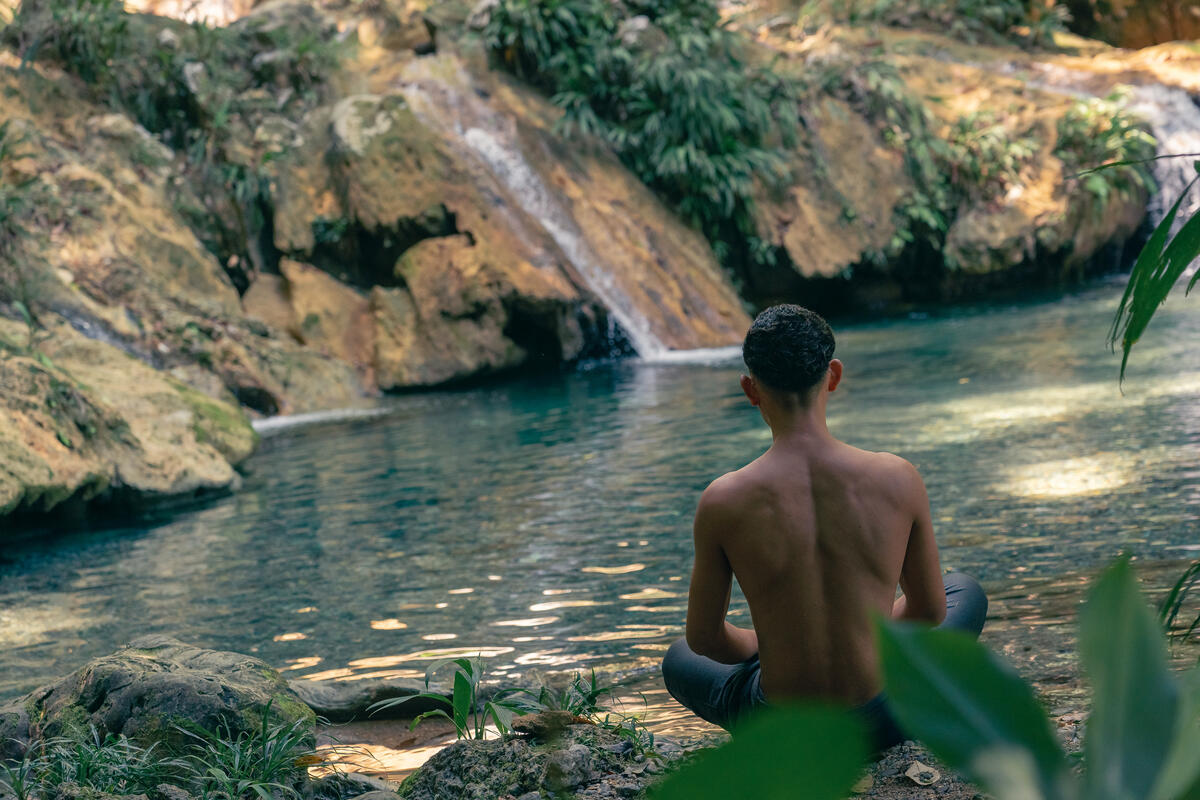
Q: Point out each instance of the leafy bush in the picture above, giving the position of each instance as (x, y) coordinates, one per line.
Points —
(1099, 131)
(195, 87)
(974, 159)
(252, 766)
(1022, 21)
(261, 765)
(669, 88)
(983, 158)
(978, 716)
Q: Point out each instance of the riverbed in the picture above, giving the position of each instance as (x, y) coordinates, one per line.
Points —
(544, 522)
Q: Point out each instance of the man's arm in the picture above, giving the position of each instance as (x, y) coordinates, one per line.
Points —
(708, 634)
(924, 598)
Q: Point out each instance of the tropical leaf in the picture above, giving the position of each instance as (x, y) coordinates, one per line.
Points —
(968, 706)
(1159, 265)
(781, 754)
(1136, 701)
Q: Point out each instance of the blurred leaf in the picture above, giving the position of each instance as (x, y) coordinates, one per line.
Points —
(781, 754)
(963, 702)
(1158, 267)
(1136, 700)
(1180, 776)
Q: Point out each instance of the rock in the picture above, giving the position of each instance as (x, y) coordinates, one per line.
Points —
(377, 794)
(545, 725)
(329, 317)
(922, 774)
(569, 768)
(156, 684)
(581, 765)
(345, 701)
(87, 421)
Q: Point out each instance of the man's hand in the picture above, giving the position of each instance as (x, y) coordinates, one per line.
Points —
(708, 634)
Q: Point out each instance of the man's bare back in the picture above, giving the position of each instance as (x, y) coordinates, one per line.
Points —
(819, 535)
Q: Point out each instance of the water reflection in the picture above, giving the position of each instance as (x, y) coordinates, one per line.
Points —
(550, 518)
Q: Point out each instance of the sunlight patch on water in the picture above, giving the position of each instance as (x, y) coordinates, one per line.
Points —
(1073, 476)
(532, 622)
(553, 605)
(388, 625)
(622, 570)
(429, 655)
(649, 594)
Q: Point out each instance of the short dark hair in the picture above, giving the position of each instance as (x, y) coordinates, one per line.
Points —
(788, 348)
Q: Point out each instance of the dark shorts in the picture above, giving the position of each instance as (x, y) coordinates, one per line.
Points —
(724, 693)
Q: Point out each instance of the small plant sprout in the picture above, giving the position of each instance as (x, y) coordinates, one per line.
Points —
(464, 709)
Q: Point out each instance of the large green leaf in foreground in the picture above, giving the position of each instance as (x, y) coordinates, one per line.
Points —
(1136, 700)
(781, 754)
(972, 710)
(1159, 265)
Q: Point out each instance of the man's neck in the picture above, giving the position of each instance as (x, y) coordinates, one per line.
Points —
(800, 428)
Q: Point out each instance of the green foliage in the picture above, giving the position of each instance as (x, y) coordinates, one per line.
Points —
(1100, 131)
(1142, 736)
(964, 702)
(983, 158)
(1171, 612)
(464, 709)
(582, 697)
(22, 275)
(259, 765)
(973, 160)
(783, 753)
(1159, 266)
(974, 713)
(202, 90)
(669, 88)
(974, 21)
(110, 764)
(88, 37)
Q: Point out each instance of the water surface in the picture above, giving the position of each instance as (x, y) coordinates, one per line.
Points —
(546, 521)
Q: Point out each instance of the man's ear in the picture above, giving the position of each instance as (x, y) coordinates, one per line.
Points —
(751, 390)
(835, 374)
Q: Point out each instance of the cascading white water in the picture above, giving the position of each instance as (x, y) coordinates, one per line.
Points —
(1175, 120)
(453, 107)
(506, 161)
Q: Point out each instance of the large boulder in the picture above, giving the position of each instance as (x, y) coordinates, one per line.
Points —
(82, 419)
(581, 761)
(151, 689)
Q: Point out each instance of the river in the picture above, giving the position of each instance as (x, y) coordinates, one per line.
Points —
(545, 521)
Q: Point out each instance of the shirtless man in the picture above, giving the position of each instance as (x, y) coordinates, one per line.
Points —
(819, 534)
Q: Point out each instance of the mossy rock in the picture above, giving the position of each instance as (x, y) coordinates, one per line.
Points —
(156, 688)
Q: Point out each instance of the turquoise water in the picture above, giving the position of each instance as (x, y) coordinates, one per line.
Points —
(546, 521)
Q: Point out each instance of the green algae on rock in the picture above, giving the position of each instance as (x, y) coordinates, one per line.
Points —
(149, 691)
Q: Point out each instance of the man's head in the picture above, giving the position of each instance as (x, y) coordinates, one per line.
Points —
(789, 352)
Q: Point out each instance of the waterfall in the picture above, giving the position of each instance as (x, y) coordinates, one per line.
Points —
(1175, 121)
(506, 161)
(446, 101)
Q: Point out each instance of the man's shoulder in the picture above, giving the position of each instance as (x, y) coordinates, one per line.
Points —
(728, 492)
(893, 472)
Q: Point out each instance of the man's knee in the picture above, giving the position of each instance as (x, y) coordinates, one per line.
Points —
(966, 603)
(673, 663)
